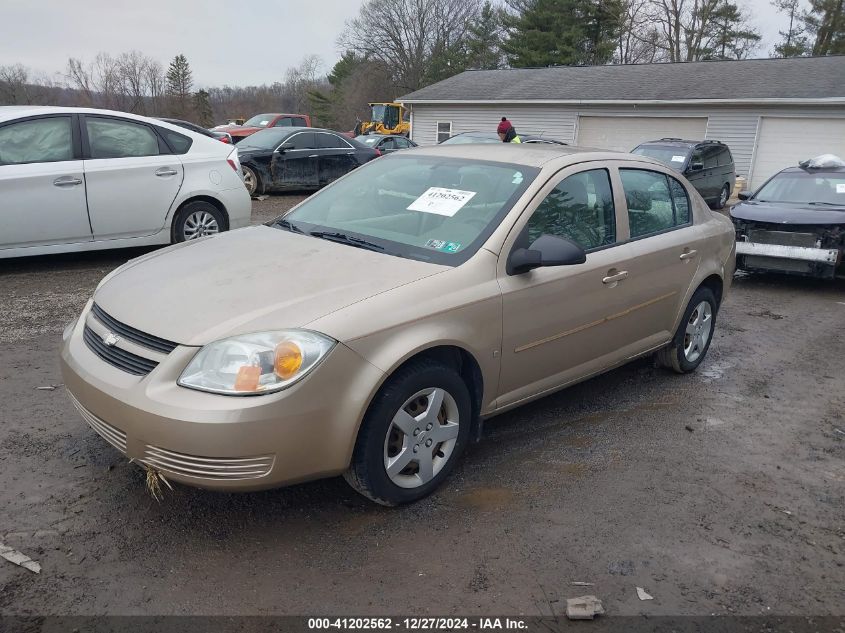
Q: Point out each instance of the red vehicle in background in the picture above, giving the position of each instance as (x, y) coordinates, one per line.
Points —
(263, 122)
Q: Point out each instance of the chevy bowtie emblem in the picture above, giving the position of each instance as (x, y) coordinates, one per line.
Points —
(111, 339)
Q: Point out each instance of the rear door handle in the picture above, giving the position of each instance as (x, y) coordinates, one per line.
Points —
(67, 181)
(166, 171)
(688, 254)
(314, 156)
(622, 274)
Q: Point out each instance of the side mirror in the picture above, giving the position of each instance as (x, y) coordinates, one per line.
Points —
(744, 195)
(547, 250)
(696, 166)
(282, 149)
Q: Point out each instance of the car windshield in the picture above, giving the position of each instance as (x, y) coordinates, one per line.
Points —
(367, 139)
(804, 187)
(673, 156)
(266, 139)
(259, 120)
(427, 208)
(460, 139)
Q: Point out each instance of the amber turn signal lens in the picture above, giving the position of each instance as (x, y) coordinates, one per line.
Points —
(247, 378)
(288, 359)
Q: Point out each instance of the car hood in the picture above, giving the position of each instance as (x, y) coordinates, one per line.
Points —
(785, 213)
(250, 280)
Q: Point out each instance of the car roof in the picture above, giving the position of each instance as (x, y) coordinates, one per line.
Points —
(12, 112)
(679, 142)
(528, 154)
(814, 170)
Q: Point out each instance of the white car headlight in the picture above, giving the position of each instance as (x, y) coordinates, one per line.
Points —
(253, 364)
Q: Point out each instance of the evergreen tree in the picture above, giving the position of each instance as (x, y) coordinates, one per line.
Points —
(484, 40)
(825, 19)
(562, 32)
(794, 42)
(731, 37)
(179, 84)
(202, 108)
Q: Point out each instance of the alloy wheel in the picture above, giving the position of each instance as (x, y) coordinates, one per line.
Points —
(421, 437)
(698, 331)
(199, 224)
(249, 180)
(723, 197)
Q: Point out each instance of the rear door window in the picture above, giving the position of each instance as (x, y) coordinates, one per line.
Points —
(330, 141)
(303, 140)
(711, 157)
(656, 202)
(284, 121)
(118, 138)
(46, 140)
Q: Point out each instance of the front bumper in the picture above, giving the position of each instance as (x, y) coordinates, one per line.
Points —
(223, 442)
(803, 260)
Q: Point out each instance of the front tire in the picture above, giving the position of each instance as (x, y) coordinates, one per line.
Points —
(198, 219)
(692, 340)
(414, 432)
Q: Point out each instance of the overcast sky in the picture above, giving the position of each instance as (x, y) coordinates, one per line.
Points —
(235, 42)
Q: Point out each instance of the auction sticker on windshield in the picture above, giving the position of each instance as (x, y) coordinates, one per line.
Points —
(441, 201)
(840, 187)
(678, 159)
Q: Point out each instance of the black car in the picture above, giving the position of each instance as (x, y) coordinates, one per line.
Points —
(298, 158)
(225, 137)
(708, 165)
(492, 137)
(385, 143)
(794, 223)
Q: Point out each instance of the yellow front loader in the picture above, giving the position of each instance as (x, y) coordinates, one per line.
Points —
(386, 118)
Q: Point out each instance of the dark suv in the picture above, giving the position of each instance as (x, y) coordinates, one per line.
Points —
(708, 165)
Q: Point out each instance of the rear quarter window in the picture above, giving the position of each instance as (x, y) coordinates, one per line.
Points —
(179, 143)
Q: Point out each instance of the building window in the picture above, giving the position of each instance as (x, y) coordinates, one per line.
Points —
(444, 130)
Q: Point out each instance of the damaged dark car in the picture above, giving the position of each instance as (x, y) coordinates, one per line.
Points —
(795, 222)
(298, 159)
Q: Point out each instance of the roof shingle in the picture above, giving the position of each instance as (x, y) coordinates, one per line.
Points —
(748, 80)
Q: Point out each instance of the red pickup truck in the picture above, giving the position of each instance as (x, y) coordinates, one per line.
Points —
(263, 121)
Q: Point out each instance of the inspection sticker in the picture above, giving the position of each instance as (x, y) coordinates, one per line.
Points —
(678, 159)
(441, 201)
(840, 187)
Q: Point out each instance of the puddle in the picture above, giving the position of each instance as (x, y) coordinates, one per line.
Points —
(487, 498)
(578, 441)
(575, 469)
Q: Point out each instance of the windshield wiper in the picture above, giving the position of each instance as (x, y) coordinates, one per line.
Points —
(289, 226)
(343, 238)
(828, 204)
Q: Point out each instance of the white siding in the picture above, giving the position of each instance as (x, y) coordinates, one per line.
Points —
(624, 133)
(734, 125)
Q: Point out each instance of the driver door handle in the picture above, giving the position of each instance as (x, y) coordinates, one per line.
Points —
(166, 171)
(622, 274)
(688, 254)
(314, 156)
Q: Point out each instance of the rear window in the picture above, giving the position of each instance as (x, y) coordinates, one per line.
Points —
(675, 157)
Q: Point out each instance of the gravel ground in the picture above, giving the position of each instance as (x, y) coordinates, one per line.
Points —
(718, 492)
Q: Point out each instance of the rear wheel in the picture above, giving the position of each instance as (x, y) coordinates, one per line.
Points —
(692, 340)
(198, 219)
(252, 182)
(724, 194)
(415, 430)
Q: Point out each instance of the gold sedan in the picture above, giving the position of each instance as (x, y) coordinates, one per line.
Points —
(369, 331)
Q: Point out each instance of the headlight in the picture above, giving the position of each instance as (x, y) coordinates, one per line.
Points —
(258, 363)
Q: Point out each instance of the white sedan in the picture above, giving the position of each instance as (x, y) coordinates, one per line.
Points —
(74, 179)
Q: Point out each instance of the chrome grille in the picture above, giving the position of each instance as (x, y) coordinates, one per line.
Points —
(113, 436)
(131, 334)
(217, 468)
(785, 238)
(120, 358)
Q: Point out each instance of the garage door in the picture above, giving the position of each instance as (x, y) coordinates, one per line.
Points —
(624, 133)
(785, 142)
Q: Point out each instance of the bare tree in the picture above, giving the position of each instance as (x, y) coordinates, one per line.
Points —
(639, 38)
(412, 37)
(132, 69)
